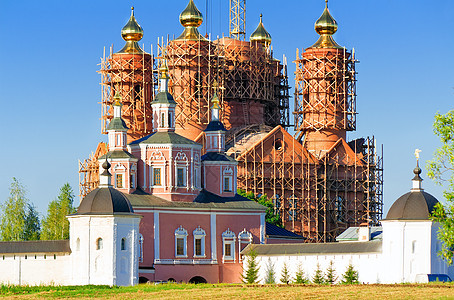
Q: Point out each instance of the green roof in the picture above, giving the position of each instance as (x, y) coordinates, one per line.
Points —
(117, 154)
(163, 97)
(117, 124)
(167, 138)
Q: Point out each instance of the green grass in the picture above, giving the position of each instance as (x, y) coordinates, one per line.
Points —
(228, 291)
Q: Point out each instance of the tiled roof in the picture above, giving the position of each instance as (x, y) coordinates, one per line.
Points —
(164, 138)
(215, 126)
(315, 249)
(117, 124)
(273, 231)
(351, 234)
(35, 247)
(117, 154)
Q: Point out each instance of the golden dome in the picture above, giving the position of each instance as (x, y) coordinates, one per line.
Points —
(191, 18)
(132, 33)
(326, 26)
(261, 35)
(132, 30)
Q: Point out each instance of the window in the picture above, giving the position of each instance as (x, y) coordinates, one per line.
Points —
(170, 119)
(118, 139)
(156, 176)
(78, 244)
(99, 244)
(119, 181)
(180, 177)
(181, 242)
(244, 239)
(413, 247)
(228, 241)
(199, 242)
(162, 120)
(131, 181)
(123, 244)
(227, 184)
(339, 208)
(140, 247)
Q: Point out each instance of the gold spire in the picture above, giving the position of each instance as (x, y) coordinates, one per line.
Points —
(191, 18)
(117, 99)
(164, 70)
(326, 26)
(132, 33)
(261, 35)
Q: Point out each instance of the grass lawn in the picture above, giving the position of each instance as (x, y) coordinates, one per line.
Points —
(238, 291)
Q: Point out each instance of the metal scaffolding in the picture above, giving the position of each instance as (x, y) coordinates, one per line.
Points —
(237, 27)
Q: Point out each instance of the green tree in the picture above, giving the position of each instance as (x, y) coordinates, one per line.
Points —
(285, 274)
(270, 273)
(270, 217)
(350, 276)
(441, 169)
(318, 276)
(55, 224)
(331, 274)
(250, 274)
(300, 278)
(19, 219)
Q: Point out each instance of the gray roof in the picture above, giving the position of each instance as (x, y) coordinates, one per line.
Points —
(205, 200)
(216, 156)
(163, 97)
(165, 138)
(351, 234)
(273, 231)
(314, 249)
(414, 205)
(117, 154)
(117, 124)
(105, 201)
(35, 247)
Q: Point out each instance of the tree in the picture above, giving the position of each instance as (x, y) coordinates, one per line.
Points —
(270, 217)
(441, 169)
(299, 276)
(55, 224)
(331, 274)
(285, 274)
(19, 219)
(318, 276)
(270, 274)
(250, 275)
(350, 276)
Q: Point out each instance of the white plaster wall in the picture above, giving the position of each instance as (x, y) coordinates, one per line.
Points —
(367, 265)
(25, 269)
(126, 261)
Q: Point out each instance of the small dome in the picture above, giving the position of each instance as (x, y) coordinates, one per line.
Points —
(415, 205)
(105, 201)
(261, 35)
(132, 30)
(191, 16)
(326, 26)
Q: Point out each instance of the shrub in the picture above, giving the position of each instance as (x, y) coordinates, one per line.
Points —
(350, 276)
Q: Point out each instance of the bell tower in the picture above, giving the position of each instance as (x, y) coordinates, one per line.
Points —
(325, 90)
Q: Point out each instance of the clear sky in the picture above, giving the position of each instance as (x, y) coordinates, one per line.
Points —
(49, 88)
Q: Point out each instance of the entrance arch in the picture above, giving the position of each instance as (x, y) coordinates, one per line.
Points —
(197, 279)
(143, 279)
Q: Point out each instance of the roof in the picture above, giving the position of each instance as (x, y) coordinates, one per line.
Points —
(351, 234)
(106, 200)
(316, 249)
(215, 126)
(117, 154)
(414, 205)
(117, 124)
(163, 98)
(273, 231)
(216, 156)
(35, 247)
(164, 138)
(205, 200)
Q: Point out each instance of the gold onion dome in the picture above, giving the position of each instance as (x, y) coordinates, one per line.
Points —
(326, 26)
(191, 18)
(261, 35)
(132, 32)
(164, 70)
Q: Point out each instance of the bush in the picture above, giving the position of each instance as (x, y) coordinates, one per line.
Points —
(299, 276)
(350, 276)
(318, 276)
(270, 273)
(331, 274)
(285, 275)
(250, 275)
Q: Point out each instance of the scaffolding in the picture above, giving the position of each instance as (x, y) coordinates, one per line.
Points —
(89, 171)
(237, 22)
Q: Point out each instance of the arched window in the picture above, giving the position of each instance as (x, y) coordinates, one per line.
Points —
(413, 247)
(123, 244)
(199, 242)
(228, 246)
(140, 247)
(78, 244)
(99, 244)
(244, 239)
(181, 246)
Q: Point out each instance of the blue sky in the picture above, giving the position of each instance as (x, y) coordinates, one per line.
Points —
(50, 90)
